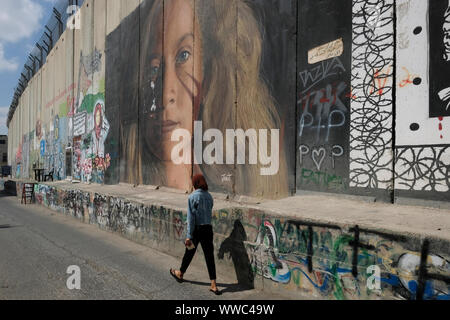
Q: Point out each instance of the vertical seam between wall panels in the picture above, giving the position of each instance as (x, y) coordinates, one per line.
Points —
(233, 188)
(192, 94)
(139, 148)
(394, 100)
(120, 26)
(163, 62)
(106, 106)
(73, 97)
(119, 113)
(297, 10)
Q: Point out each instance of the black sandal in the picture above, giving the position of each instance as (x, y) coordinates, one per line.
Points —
(172, 273)
(217, 292)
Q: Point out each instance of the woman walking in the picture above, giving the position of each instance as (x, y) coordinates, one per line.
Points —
(199, 230)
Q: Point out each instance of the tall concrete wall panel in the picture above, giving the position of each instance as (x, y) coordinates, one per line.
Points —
(371, 158)
(217, 111)
(323, 100)
(423, 125)
(271, 98)
(128, 36)
(112, 49)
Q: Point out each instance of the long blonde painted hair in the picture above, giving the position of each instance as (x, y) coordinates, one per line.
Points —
(235, 96)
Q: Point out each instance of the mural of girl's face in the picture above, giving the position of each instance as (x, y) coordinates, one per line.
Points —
(182, 74)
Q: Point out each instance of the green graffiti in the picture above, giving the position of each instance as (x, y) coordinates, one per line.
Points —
(296, 276)
(338, 255)
(89, 101)
(63, 110)
(323, 179)
(273, 269)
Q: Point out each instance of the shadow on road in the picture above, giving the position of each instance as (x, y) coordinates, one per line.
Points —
(8, 226)
(229, 288)
(4, 194)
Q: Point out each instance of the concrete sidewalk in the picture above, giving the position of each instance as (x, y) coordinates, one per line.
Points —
(315, 244)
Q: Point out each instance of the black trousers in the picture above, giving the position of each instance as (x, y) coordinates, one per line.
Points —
(204, 236)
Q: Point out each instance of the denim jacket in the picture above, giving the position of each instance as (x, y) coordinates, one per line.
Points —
(200, 206)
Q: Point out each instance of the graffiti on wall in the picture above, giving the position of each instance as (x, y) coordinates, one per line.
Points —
(423, 169)
(53, 151)
(323, 95)
(329, 93)
(25, 157)
(371, 158)
(89, 123)
(327, 261)
(321, 259)
(333, 263)
(422, 157)
(439, 17)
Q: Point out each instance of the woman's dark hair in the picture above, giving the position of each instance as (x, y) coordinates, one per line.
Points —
(199, 182)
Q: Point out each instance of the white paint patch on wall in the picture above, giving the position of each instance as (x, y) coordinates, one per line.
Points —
(371, 155)
(414, 127)
(327, 51)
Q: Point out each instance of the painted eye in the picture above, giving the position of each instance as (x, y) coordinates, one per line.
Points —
(183, 57)
(154, 72)
(154, 68)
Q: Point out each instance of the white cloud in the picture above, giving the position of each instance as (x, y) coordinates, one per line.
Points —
(5, 63)
(19, 19)
(3, 116)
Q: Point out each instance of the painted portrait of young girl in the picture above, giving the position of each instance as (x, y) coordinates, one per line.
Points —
(200, 62)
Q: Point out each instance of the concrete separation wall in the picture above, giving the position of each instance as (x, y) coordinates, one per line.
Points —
(277, 253)
(338, 97)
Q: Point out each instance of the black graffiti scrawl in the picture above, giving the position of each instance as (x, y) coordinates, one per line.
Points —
(323, 93)
(439, 19)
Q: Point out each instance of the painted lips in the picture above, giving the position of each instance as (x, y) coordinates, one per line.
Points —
(168, 126)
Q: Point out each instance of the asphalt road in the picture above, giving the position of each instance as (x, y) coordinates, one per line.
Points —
(38, 245)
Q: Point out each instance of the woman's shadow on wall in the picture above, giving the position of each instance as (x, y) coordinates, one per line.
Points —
(234, 245)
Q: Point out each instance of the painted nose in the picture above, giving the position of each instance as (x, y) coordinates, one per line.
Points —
(169, 87)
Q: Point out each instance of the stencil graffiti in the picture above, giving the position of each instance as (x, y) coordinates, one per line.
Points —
(424, 169)
(371, 158)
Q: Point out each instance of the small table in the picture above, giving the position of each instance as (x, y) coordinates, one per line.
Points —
(39, 174)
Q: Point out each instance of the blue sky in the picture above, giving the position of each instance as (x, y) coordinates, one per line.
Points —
(21, 25)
